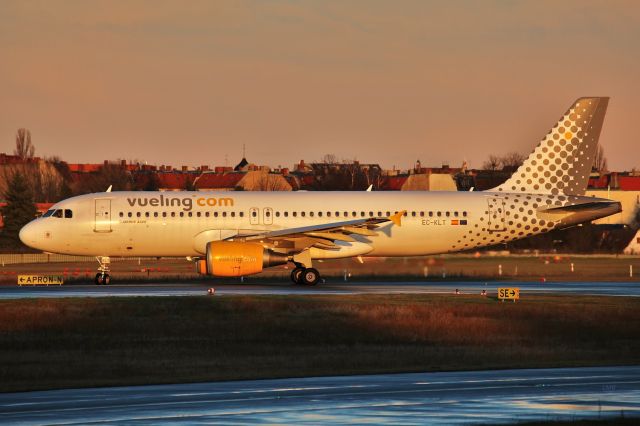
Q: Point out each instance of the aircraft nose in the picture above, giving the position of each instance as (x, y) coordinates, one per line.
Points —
(28, 234)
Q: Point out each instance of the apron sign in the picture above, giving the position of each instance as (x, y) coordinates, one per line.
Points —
(509, 294)
(40, 280)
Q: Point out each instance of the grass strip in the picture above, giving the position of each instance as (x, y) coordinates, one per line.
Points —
(86, 342)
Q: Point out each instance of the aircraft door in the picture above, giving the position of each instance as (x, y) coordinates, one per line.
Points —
(496, 219)
(103, 215)
(268, 216)
(254, 216)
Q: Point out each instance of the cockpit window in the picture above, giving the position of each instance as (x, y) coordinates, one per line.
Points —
(68, 213)
(57, 213)
(48, 213)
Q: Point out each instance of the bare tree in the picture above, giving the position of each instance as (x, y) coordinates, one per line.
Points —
(330, 159)
(493, 163)
(600, 161)
(24, 147)
(512, 160)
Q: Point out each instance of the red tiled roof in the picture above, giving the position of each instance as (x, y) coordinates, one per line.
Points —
(218, 181)
(172, 180)
(394, 183)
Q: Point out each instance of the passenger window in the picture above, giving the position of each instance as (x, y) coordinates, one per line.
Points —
(413, 214)
(146, 214)
(181, 214)
(380, 214)
(319, 214)
(277, 214)
(294, 214)
(430, 214)
(447, 214)
(241, 214)
(164, 214)
(421, 214)
(198, 214)
(464, 214)
(215, 214)
(388, 214)
(206, 214)
(155, 214)
(311, 214)
(455, 214)
(370, 214)
(253, 214)
(130, 214)
(361, 214)
(190, 214)
(286, 214)
(346, 214)
(302, 214)
(173, 214)
(353, 214)
(224, 214)
(267, 213)
(405, 214)
(439, 214)
(121, 214)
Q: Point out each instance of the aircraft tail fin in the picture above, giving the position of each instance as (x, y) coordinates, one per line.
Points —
(562, 161)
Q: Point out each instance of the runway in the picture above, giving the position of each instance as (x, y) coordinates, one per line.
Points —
(506, 396)
(628, 289)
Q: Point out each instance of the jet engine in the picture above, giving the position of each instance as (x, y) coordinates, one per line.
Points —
(235, 259)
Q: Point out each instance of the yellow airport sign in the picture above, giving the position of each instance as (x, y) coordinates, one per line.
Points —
(507, 293)
(40, 280)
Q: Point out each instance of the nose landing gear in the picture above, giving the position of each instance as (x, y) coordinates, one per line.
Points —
(103, 277)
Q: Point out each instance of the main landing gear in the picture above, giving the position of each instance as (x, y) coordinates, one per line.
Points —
(102, 277)
(305, 276)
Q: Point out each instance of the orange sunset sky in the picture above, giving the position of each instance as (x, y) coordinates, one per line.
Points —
(190, 82)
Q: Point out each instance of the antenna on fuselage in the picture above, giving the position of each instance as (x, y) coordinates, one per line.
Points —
(109, 188)
(370, 188)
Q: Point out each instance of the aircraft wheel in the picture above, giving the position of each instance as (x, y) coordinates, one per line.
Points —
(99, 279)
(296, 275)
(107, 279)
(311, 276)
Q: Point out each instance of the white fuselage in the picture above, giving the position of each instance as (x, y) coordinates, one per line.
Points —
(167, 224)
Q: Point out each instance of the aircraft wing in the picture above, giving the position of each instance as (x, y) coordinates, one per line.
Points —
(321, 235)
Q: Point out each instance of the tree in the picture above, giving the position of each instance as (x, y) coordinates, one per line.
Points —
(493, 163)
(24, 147)
(19, 211)
(512, 161)
(600, 161)
(112, 174)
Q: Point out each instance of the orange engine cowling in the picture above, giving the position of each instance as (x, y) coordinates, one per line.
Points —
(235, 259)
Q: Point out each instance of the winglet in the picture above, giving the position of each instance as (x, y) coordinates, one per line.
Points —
(397, 218)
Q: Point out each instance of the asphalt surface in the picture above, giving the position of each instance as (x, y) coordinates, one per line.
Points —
(629, 289)
(506, 396)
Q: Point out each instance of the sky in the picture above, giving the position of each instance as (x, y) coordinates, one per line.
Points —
(388, 82)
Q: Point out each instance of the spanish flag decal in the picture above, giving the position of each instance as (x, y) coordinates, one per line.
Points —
(454, 221)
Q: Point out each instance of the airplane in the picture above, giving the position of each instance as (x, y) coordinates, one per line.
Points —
(234, 234)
